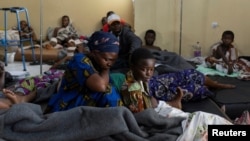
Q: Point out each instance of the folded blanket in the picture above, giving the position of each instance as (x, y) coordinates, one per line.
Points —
(26, 122)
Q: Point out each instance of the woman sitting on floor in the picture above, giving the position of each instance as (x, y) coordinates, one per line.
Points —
(86, 80)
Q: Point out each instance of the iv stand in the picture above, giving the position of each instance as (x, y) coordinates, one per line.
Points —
(41, 36)
(180, 38)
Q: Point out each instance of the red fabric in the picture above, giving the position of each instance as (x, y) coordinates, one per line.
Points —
(105, 28)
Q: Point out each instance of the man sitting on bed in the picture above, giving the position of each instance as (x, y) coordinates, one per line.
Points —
(149, 38)
(128, 41)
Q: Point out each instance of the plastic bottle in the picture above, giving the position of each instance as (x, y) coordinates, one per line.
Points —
(197, 50)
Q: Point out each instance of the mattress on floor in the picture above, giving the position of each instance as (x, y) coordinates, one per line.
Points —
(205, 105)
(47, 54)
(235, 100)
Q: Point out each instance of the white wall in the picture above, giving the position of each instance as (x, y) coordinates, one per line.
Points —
(160, 15)
(85, 14)
(198, 15)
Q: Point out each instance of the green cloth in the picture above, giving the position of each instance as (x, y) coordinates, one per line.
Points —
(118, 79)
(210, 71)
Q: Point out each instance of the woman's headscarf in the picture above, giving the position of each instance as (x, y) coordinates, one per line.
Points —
(103, 42)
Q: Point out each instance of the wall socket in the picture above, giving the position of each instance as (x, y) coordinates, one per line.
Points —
(214, 24)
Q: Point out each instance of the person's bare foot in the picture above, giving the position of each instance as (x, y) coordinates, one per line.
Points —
(16, 98)
(6, 103)
(176, 102)
(10, 95)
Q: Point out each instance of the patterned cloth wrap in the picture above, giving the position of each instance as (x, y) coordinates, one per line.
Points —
(135, 94)
(29, 84)
(164, 87)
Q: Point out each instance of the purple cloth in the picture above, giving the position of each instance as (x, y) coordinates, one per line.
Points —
(25, 86)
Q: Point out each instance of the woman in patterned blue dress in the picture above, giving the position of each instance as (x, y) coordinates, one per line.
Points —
(86, 81)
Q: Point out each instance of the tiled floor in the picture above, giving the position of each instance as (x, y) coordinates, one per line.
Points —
(17, 68)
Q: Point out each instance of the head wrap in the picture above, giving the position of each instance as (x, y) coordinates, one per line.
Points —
(112, 18)
(104, 42)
